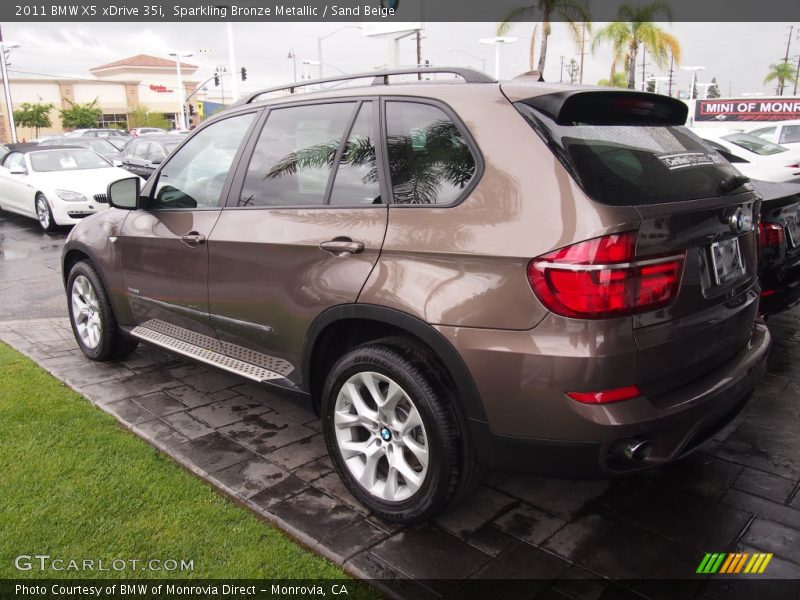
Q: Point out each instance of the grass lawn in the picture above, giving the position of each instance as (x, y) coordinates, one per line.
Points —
(73, 484)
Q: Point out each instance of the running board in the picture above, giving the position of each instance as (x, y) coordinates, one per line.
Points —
(209, 357)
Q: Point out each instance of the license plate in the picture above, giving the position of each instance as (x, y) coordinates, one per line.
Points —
(726, 258)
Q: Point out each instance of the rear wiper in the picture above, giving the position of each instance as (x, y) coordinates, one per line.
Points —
(731, 183)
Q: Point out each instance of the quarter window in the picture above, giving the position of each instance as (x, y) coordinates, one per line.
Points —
(294, 156)
(195, 175)
(790, 134)
(356, 180)
(429, 159)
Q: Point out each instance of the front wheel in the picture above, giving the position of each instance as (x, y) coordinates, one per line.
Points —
(44, 214)
(391, 433)
(92, 319)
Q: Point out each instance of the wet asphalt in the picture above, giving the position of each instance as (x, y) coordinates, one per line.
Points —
(30, 270)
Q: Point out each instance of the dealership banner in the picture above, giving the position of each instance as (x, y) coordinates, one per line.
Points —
(387, 11)
(747, 109)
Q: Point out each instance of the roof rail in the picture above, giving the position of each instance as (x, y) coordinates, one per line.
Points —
(378, 78)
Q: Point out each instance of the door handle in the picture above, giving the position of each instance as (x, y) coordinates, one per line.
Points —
(193, 239)
(342, 246)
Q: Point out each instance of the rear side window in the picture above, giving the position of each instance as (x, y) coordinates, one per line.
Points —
(294, 155)
(429, 159)
(356, 181)
(790, 134)
(628, 165)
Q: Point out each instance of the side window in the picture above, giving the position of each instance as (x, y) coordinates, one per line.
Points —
(429, 159)
(790, 134)
(15, 160)
(356, 179)
(140, 150)
(195, 175)
(155, 152)
(294, 155)
(765, 133)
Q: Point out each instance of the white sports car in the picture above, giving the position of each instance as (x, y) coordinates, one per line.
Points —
(56, 186)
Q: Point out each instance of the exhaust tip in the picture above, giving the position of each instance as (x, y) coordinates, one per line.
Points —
(633, 450)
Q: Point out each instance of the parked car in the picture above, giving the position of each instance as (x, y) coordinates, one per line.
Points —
(785, 133)
(141, 156)
(136, 132)
(753, 156)
(114, 136)
(518, 275)
(102, 146)
(779, 246)
(57, 185)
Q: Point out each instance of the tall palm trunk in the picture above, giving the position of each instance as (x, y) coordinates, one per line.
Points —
(545, 35)
(632, 65)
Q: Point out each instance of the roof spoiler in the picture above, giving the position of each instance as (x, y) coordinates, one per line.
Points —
(607, 107)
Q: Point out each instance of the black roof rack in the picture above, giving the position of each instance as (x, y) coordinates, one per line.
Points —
(378, 78)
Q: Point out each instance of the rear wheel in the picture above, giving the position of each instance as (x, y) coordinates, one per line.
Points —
(44, 214)
(391, 433)
(92, 319)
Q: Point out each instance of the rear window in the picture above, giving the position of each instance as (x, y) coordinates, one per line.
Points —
(627, 165)
(754, 144)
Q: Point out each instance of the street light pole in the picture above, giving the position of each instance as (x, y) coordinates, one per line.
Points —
(7, 91)
(497, 42)
(326, 36)
(180, 116)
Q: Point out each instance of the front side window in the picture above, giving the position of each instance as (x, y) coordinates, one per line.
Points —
(429, 159)
(140, 150)
(155, 152)
(195, 175)
(765, 133)
(790, 134)
(294, 155)
(15, 160)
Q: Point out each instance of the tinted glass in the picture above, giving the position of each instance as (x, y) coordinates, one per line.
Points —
(140, 150)
(294, 155)
(66, 160)
(429, 159)
(194, 176)
(628, 165)
(790, 134)
(357, 175)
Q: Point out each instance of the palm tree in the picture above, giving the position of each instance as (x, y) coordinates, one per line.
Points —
(634, 29)
(572, 12)
(783, 72)
(618, 80)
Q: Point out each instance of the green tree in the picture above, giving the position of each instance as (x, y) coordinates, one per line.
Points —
(635, 29)
(34, 116)
(783, 72)
(142, 117)
(80, 116)
(572, 12)
(618, 80)
(713, 89)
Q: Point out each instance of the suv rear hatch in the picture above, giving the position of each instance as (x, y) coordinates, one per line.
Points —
(631, 149)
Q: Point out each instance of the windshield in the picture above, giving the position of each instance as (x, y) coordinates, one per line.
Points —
(628, 165)
(754, 144)
(101, 146)
(66, 160)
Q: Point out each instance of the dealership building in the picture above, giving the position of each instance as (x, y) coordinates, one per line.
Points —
(118, 87)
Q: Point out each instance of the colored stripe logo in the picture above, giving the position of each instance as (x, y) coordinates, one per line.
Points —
(734, 562)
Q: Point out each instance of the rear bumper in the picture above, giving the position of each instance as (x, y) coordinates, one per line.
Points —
(673, 424)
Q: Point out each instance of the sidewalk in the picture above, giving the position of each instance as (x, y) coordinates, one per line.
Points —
(739, 493)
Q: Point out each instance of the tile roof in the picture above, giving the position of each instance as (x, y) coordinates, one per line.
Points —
(143, 60)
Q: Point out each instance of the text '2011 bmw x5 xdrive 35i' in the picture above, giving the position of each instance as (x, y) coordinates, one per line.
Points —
(529, 276)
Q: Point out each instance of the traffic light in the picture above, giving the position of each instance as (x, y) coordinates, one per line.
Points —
(216, 79)
(244, 74)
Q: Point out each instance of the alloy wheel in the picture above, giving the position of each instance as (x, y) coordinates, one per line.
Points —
(43, 212)
(381, 436)
(86, 312)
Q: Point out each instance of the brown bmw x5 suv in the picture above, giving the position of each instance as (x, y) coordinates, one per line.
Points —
(455, 273)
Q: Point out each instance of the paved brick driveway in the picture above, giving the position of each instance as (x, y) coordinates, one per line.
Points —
(738, 493)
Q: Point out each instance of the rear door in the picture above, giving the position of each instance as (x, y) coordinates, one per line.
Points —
(301, 231)
(164, 247)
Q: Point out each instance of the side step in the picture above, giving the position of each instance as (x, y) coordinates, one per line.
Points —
(172, 344)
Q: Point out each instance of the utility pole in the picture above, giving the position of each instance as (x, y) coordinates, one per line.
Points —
(561, 78)
(782, 84)
(671, 69)
(419, 52)
(232, 62)
(644, 64)
(583, 48)
(12, 128)
(796, 76)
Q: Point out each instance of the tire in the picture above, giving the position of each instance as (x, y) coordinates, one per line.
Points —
(91, 317)
(43, 214)
(403, 472)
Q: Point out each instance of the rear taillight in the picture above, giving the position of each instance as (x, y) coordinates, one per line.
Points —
(617, 394)
(602, 278)
(770, 234)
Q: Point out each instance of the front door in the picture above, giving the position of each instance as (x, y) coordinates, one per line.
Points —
(164, 247)
(301, 231)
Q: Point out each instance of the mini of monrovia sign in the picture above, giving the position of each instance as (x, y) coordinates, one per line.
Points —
(738, 109)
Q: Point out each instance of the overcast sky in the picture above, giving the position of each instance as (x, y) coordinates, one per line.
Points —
(738, 54)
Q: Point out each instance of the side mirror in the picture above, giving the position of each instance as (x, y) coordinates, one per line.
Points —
(19, 171)
(124, 193)
(156, 161)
